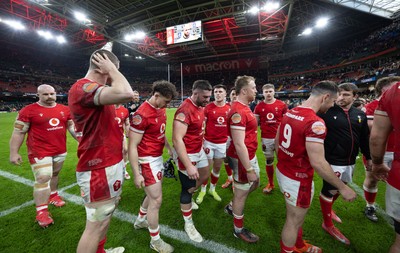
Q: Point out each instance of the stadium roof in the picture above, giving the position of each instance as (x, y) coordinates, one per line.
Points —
(229, 32)
(384, 8)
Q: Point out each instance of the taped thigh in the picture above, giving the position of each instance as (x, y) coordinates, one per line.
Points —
(100, 213)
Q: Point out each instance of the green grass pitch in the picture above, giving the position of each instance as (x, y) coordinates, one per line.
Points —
(264, 214)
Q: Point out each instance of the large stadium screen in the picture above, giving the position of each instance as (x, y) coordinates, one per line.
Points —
(184, 33)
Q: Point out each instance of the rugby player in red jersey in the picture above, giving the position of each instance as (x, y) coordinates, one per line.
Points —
(187, 137)
(300, 148)
(146, 143)
(370, 184)
(242, 128)
(100, 168)
(269, 113)
(386, 120)
(215, 137)
(46, 123)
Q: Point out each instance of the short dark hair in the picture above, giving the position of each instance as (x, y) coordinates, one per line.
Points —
(241, 82)
(324, 87)
(349, 87)
(219, 86)
(383, 82)
(113, 58)
(232, 89)
(268, 86)
(165, 88)
(201, 85)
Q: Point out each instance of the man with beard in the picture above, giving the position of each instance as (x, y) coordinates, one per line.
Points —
(187, 137)
(46, 123)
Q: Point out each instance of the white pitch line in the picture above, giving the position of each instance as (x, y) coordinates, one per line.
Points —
(28, 183)
(379, 210)
(179, 235)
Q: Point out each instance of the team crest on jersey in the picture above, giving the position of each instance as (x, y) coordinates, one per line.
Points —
(117, 185)
(54, 122)
(207, 150)
(287, 195)
(180, 116)
(270, 116)
(318, 127)
(136, 120)
(162, 128)
(236, 118)
(89, 87)
(159, 175)
(220, 120)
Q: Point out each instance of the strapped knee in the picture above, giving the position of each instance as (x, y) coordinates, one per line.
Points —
(186, 184)
(42, 177)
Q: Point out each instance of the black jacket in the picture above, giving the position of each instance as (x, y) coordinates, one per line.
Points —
(347, 134)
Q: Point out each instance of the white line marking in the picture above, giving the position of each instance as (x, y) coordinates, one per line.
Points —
(208, 245)
(379, 210)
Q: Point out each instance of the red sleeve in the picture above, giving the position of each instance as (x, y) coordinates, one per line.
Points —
(23, 115)
(138, 123)
(238, 121)
(183, 115)
(315, 131)
(88, 92)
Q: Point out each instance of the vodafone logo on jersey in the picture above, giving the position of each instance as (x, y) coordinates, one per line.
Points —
(220, 120)
(118, 120)
(54, 122)
(270, 116)
(162, 128)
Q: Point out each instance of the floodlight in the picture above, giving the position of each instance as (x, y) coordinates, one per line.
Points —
(139, 58)
(254, 10)
(45, 34)
(321, 22)
(81, 17)
(140, 35)
(14, 24)
(60, 39)
(135, 36)
(271, 6)
(126, 55)
(307, 31)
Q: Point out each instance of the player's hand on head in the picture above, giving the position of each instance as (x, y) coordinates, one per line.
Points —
(139, 181)
(16, 159)
(380, 171)
(104, 63)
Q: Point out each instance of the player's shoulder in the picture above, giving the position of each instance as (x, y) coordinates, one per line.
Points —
(280, 102)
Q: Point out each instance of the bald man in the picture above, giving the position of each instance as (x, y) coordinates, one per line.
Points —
(46, 124)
